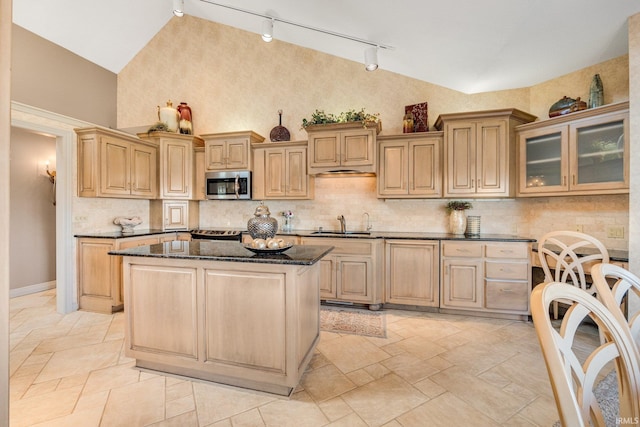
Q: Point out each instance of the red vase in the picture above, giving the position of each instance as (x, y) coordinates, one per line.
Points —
(185, 125)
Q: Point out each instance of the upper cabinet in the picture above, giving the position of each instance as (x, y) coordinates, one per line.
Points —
(410, 165)
(280, 171)
(480, 152)
(115, 164)
(579, 153)
(230, 150)
(342, 147)
(176, 164)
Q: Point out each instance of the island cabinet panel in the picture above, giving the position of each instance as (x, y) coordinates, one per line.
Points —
(248, 324)
(246, 319)
(164, 300)
(412, 272)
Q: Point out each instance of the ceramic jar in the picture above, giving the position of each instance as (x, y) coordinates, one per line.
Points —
(262, 226)
(186, 121)
(169, 116)
(457, 222)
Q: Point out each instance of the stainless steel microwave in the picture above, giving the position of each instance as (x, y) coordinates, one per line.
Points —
(228, 185)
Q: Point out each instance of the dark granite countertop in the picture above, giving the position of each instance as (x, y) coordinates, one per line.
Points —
(216, 250)
(121, 235)
(618, 255)
(406, 235)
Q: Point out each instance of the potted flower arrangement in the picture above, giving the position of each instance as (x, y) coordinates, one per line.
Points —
(320, 118)
(287, 220)
(457, 216)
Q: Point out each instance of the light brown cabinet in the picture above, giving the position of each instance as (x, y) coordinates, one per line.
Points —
(199, 192)
(100, 274)
(174, 214)
(280, 171)
(486, 277)
(230, 150)
(585, 152)
(115, 164)
(352, 272)
(410, 165)
(342, 147)
(480, 152)
(175, 163)
(412, 272)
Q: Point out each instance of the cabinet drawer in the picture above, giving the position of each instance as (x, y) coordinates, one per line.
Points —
(461, 249)
(512, 296)
(343, 246)
(507, 250)
(507, 270)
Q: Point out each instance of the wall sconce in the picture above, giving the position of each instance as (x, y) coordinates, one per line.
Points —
(178, 8)
(52, 174)
(267, 30)
(371, 58)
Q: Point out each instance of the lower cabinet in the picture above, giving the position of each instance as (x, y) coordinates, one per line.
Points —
(487, 277)
(352, 272)
(412, 272)
(100, 274)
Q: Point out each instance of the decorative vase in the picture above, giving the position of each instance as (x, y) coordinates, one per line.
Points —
(407, 123)
(287, 224)
(457, 222)
(262, 226)
(596, 93)
(186, 120)
(169, 116)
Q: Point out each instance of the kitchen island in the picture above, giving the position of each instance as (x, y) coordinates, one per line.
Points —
(216, 311)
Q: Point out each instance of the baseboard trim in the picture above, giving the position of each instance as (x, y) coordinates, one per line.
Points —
(32, 289)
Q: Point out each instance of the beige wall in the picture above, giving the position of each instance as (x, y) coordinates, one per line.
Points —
(33, 215)
(234, 81)
(47, 76)
(634, 197)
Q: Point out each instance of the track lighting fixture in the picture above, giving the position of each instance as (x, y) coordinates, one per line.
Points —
(178, 7)
(267, 30)
(370, 54)
(371, 58)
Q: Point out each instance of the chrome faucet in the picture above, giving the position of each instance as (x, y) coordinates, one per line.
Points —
(343, 225)
(369, 226)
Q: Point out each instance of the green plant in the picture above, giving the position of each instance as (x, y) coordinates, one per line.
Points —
(458, 205)
(159, 127)
(319, 117)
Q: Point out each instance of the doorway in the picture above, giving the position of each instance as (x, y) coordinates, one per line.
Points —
(32, 239)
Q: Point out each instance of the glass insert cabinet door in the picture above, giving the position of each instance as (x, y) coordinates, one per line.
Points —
(544, 160)
(598, 155)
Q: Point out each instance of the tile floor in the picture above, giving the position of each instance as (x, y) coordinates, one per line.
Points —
(431, 370)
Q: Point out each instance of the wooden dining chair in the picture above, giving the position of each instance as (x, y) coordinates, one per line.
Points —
(613, 295)
(572, 374)
(567, 256)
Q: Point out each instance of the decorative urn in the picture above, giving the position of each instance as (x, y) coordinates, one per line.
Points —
(262, 226)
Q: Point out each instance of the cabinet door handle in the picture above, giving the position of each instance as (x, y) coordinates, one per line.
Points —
(573, 179)
(506, 251)
(506, 290)
(462, 250)
(564, 180)
(506, 270)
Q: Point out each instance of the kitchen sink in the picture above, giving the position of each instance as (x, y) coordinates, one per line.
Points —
(340, 233)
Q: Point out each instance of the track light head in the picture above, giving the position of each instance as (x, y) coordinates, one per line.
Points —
(371, 58)
(267, 30)
(178, 8)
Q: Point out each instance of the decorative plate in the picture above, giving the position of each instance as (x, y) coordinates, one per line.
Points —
(267, 250)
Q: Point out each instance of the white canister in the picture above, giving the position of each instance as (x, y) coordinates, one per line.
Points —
(169, 116)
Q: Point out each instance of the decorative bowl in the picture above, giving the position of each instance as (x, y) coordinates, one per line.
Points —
(127, 224)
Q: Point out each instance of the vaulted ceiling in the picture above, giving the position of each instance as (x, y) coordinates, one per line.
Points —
(467, 45)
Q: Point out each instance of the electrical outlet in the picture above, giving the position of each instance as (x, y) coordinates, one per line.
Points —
(80, 218)
(615, 232)
(580, 228)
